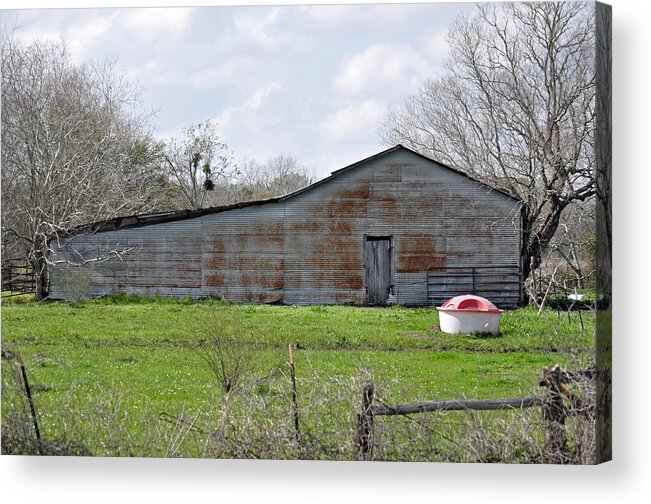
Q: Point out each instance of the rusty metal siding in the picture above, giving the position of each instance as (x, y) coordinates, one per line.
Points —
(324, 233)
(308, 248)
(243, 254)
(436, 218)
(455, 222)
(162, 260)
(236, 254)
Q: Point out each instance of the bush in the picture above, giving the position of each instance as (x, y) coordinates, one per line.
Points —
(225, 347)
(75, 281)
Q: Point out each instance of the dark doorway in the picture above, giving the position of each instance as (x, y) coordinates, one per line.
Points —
(377, 269)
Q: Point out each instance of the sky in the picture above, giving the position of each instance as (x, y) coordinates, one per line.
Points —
(311, 81)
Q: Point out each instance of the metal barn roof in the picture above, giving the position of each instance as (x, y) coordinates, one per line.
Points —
(139, 220)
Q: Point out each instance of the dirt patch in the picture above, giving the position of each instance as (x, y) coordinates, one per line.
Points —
(418, 336)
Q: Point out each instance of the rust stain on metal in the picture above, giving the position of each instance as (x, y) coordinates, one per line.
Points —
(216, 261)
(340, 227)
(269, 228)
(215, 279)
(244, 262)
(272, 282)
(419, 263)
(337, 280)
(420, 244)
(362, 191)
(419, 252)
(218, 245)
(312, 226)
(353, 283)
(245, 280)
(335, 244)
(345, 208)
(388, 204)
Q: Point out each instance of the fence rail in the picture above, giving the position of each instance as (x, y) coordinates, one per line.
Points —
(17, 278)
(499, 283)
(477, 404)
(552, 405)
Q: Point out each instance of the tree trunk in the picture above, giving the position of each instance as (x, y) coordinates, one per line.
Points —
(524, 250)
(534, 243)
(41, 272)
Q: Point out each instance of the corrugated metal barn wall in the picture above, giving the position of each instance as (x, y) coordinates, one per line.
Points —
(236, 254)
(162, 259)
(435, 217)
(309, 248)
(243, 253)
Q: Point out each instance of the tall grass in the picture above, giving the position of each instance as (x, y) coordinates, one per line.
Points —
(255, 420)
(125, 376)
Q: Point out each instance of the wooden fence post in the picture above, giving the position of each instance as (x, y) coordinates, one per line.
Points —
(554, 413)
(364, 439)
(28, 392)
(294, 395)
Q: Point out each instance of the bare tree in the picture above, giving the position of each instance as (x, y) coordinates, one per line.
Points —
(74, 148)
(515, 109)
(574, 246)
(280, 175)
(195, 161)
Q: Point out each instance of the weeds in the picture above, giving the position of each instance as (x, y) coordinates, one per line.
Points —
(18, 435)
(224, 347)
(518, 436)
(255, 420)
(76, 281)
(126, 376)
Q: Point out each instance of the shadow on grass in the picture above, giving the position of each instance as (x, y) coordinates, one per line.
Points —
(486, 335)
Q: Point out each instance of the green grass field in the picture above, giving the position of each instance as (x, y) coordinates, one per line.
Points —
(142, 355)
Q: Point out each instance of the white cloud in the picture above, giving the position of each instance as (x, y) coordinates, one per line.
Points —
(328, 14)
(152, 22)
(354, 121)
(377, 65)
(261, 94)
(260, 29)
(242, 125)
(83, 36)
(82, 39)
(29, 35)
(340, 67)
(364, 17)
(233, 68)
(154, 73)
(224, 119)
(436, 45)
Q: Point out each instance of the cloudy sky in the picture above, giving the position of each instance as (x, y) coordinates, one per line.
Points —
(309, 81)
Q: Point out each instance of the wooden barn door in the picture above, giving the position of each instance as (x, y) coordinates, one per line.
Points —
(377, 266)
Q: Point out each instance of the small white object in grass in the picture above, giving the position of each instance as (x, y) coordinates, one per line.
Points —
(469, 314)
(577, 297)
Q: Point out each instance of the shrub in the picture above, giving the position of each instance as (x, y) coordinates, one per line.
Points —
(75, 281)
(225, 347)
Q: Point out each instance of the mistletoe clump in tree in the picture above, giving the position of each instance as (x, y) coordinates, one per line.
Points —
(195, 161)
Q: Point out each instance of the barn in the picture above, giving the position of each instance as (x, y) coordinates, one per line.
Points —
(396, 227)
